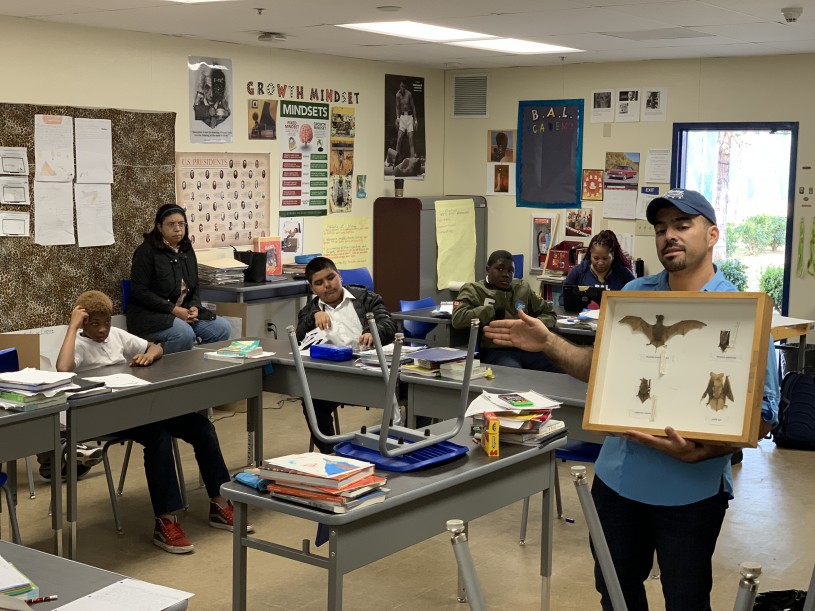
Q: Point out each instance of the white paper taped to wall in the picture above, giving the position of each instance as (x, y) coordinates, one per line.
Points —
(455, 285)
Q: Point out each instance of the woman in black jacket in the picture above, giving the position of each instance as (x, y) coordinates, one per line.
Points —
(165, 304)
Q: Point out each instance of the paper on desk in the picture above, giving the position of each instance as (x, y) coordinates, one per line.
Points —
(29, 375)
(128, 595)
(7, 603)
(313, 338)
(119, 380)
(486, 402)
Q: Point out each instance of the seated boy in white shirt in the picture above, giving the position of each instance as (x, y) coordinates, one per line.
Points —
(92, 342)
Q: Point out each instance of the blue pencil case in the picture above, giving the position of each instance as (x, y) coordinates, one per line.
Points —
(329, 352)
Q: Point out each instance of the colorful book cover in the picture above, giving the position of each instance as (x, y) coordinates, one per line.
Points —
(274, 255)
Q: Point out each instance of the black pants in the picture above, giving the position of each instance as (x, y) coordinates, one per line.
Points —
(683, 536)
(324, 410)
(159, 462)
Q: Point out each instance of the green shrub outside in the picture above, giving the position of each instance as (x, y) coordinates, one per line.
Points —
(772, 283)
(761, 232)
(735, 271)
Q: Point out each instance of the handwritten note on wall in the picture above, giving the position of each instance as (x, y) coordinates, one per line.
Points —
(455, 239)
(347, 241)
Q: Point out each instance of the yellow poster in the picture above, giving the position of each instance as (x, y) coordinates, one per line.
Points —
(455, 238)
(347, 241)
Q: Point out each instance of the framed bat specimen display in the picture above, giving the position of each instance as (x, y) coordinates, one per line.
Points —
(693, 361)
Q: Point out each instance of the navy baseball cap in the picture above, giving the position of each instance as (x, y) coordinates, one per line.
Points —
(690, 202)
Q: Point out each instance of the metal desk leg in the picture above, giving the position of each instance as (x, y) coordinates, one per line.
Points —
(410, 414)
(334, 574)
(802, 352)
(56, 488)
(70, 468)
(254, 422)
(239, 558)
(546, 537)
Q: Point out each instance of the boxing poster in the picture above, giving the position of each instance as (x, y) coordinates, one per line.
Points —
(405, 145)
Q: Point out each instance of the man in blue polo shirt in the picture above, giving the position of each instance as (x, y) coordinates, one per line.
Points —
(667, 494)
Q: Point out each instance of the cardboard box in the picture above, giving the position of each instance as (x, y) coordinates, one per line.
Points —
(489, 434)
(274, 255)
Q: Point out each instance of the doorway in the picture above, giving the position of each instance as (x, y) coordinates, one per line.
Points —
(747, 171)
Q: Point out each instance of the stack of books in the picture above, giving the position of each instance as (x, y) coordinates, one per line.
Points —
(221, 271)
(14, 583)
(524, 417)
(331, 483)
(428, 362)
(294, 269)
(455, 369)
(31, 388)
(369, 358)
(239, 349)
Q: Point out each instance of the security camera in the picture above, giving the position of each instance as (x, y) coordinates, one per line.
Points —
(792, 13)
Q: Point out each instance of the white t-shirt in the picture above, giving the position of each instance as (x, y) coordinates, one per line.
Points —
(345, 326)
(118, 349)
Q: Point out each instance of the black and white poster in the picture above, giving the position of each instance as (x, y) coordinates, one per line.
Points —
(210, 85)
(405, 145)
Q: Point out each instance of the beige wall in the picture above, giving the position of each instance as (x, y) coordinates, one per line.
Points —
(78, 66)
(734, 89)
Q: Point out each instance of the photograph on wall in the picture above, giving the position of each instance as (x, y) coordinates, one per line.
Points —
(342, 158)
(362, 179)
(602, 109)
(544, 234)
(500, 179)
(262, 119)
(290, 230)
(501, 145)
(225, 195)
(210, 86)
(656, 104)
(550, 153)
(592, 185)
(304, 145)
(622, 177)
(343, 122)
(340, 194)
(627, 108)
(579, 223)
(405, 145)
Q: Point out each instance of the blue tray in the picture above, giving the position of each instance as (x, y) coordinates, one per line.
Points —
(412, 461)
(301, 259)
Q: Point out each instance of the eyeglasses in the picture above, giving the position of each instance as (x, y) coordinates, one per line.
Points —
(179, 225)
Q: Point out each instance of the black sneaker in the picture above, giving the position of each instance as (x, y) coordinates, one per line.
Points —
(81, 472)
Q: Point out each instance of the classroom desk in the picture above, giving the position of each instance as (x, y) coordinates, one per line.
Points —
(784, 327)
(444, 334)
(26, 433)
(179, 384)
(244, 292)
(416, 508)
(330, 380)
(67, 579)
(439, 397)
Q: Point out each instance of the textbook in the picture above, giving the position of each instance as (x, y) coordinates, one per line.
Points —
(365, 501)
(217, 356)
(274, 255)
(34, 380)
(432, 358)
(15, 406)
(315, 469)
(241, 348)
(349, 491)
(13, 582)
(548, 430)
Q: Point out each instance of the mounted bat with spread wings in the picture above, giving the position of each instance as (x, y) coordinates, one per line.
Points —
(658, 333)
(718, 391)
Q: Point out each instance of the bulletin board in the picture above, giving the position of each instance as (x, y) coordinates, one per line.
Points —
(550, 153)
(40, 283)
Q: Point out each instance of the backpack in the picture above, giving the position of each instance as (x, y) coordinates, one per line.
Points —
(796, 413)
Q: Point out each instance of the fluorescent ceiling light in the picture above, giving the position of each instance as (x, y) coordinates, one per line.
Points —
(513, 45)
(416, 31)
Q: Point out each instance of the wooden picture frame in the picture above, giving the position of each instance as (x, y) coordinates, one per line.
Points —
(705, 377)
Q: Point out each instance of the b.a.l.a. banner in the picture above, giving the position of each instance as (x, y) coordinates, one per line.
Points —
(550, 150)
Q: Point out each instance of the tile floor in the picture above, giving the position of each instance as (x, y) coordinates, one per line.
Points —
(769, 522)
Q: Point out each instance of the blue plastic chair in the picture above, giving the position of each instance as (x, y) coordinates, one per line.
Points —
(519, 265)
(413, 328)
(578, 451)
(125, 295)
(357, 275)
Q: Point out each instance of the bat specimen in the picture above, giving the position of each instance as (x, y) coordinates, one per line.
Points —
(717, 391)
(724, 340)
(644, 392)
(658, 334)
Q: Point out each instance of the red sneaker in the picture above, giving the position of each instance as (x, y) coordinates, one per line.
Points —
(170, 537)
(222, 517)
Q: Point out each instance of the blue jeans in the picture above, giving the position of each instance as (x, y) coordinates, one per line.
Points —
(181, 336)
(683, 536)
(159, 462)
(513, 357)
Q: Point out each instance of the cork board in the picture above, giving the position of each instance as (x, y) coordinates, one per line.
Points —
(40, 283)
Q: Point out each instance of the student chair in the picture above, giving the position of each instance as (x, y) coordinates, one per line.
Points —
(336, 414)
(578, 451)
(12, 512)
(357, 275)
(519, 265)
(415, 330)
(10, 361)
(117, 492)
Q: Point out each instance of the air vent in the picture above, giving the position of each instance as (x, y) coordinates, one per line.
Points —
(469, 96)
